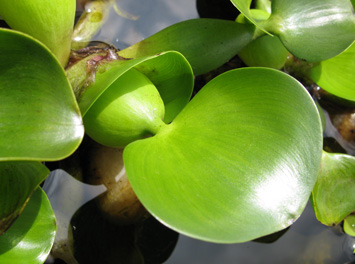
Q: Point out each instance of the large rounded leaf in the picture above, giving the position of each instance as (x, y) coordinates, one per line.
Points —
(239, 162)
(18, 180)
(313, 30)
(50, 22)
(336, 75)
(206, 43)
(169, 72)
(39, 117)
(333, 197)
(30, 238)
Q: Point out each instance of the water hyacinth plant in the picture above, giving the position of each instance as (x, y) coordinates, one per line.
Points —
(236, 162)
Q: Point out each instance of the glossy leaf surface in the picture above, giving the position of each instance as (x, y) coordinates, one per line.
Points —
(313, 30)
(168, 71)
(333, 197)
(30, 238)
(39, 117)
(215, 173)
(206, 43)
(337, 75)
(131, 109)
(51, 23)
(18, 180)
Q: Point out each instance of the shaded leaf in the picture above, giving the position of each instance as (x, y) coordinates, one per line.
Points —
(336, 75)
(349, 225)
(264, 51)
(333, 196)
(18, 180)
(51, 23)
(206, 43)
(30, 238)
(215, 173)
(39, 116)
(244, 7)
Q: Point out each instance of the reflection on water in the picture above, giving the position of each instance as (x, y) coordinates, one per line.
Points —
(153, 16)
(306, 241)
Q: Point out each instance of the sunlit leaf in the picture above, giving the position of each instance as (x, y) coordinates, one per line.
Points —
(206, 43)
(337, 75)
(30, 238)
(168, 71)
(39, 117)
(18, 180)
(333, 197)
(51, 23)
(215, 173)
(313, 30)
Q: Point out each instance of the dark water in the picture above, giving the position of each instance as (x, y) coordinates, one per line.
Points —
(306, 241)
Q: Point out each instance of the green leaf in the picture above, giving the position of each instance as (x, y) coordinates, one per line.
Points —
(239, 162)
(50, 22)
(336, 75)
(266, 51)
(313, 30)
(263, 5)
(333, 196)
(206, 43)
(18, 180)
(129, 110)
(30, 238)
(349, 226)
(244, 7)
(168, 71)
(39, 116)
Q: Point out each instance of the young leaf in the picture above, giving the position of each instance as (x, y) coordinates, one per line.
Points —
(18, 180)
(336, 75)
(39, 116)
(206, 43)
(244, 7)
(129, 110)
(30, 238)
(239, 161)
(50, 22)
(264, 51)
(313, 30)
(333, 196)
(169, 72)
